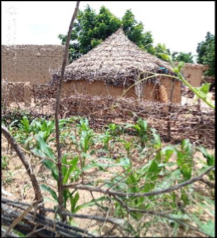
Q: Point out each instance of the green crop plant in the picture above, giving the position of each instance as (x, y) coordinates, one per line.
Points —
(159, 167)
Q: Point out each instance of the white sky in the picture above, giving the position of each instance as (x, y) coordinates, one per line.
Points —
(179, 25)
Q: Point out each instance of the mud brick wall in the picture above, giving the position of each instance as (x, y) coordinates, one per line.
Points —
(193, 73)
(42, 91)
(30, 63)
(16, 92)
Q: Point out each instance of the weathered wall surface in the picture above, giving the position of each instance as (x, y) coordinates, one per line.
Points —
(16, 92)
(98, 88)
(193, 73)
(26, 91)
(168, 83)
(30, 63)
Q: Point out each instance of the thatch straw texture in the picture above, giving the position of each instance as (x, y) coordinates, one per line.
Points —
(117, 61)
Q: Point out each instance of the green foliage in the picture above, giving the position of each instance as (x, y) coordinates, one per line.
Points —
(184, 159)
(90, 29)
(71, 167)
(142, 130)
(13, 116)
(206, 53)
(181, 56)
(51, 191)
(4, 162)
(134, 31)
(208, 227)
(114, 129)
(160, 50)
(106, 137)
(209, 158)
(159, 167)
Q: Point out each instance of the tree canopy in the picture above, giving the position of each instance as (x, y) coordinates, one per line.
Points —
(181, 56)
(206, 53)
(90, 29)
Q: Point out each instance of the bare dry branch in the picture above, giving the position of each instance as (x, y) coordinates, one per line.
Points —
(22, 205)
(19, 218)
(210, 184)
(52, 228)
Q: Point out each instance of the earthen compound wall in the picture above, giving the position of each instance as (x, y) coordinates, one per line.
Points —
(30, 63)
(24, 92)
(98, 88)
(34, 64)
(194, 73)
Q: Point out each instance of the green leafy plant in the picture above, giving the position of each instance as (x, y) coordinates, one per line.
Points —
(185, 159)
(115, 129)
(158, 167)
(4, 162)
(106, 137)
(142, 130)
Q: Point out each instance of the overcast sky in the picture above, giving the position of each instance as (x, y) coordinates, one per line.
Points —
(179, 25)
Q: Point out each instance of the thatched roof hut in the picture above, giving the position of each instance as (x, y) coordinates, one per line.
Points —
(117, 62)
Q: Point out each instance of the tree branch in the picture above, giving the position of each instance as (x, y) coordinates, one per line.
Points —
(210, 184)
(114, 193)
(130, 209)
(22, 205)
(65, 59)
(11, 140)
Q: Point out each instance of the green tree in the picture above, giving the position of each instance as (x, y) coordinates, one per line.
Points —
(206, 53)
(134, 31)
(181, 56)
(90, 29)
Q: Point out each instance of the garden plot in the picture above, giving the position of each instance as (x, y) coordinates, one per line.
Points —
(112, 159)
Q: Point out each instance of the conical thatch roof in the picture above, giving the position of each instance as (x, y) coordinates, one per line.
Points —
(116, 61)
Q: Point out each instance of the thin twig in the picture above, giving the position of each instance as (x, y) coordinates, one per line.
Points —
(65, 59)
(210, 184)
(169, 110)
(130, 209)
(107, 214)
(53, 228)
(114, 193)
(19, 219)
(21, 205)
(37, 190)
